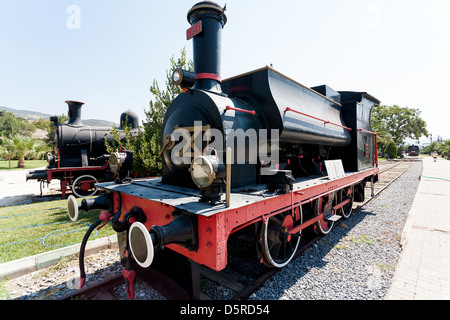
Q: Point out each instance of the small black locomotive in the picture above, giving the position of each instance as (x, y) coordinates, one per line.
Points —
(413, 151)
(257, 155)
(81, 157)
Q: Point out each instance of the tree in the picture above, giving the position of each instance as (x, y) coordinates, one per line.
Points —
(22, 147)
(397, 123)
(446, 149)
(441, 148)
(148, 149)
(11, 125)
(391, 150)
(129, 142)
(147, 145)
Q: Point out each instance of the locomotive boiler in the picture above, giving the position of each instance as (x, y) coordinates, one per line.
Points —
(81, 157)
(256, 155)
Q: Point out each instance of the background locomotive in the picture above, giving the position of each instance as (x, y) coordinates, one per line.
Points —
(322, 155)
(413, 151)
(80, 158)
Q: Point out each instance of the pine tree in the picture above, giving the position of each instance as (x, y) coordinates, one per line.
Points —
(147, 159)
(147, 144)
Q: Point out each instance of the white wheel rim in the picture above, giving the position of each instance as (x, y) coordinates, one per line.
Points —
(75, 183)
(266, 250)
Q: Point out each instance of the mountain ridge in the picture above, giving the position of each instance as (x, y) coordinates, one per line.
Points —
(36, 115)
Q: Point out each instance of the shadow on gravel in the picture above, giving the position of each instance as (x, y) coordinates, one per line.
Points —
(313, 257)
(245, 263)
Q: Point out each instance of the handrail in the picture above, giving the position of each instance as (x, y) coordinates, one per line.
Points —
(253, 112)
(366, 131)
(324, 121)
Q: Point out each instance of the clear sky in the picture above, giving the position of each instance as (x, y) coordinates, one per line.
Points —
(106, 53)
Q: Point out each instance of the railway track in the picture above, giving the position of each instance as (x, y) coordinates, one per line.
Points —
(241, 281)
(389, 172)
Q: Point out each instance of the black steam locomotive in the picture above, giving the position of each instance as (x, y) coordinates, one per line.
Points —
(257, 155)
(413, 151)
(80, 158)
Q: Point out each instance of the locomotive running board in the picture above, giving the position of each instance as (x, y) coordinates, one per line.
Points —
(188, 199)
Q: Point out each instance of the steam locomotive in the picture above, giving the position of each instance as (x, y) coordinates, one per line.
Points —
(258, 155)
(413, 151)
(81, 158)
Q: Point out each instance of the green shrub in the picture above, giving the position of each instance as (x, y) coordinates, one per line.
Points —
(391, 150)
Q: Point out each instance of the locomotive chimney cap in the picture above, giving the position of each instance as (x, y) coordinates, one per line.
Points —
(75, 102)
(207, 7)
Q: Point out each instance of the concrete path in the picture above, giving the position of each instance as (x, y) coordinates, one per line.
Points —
(14, 188)
(423, 271)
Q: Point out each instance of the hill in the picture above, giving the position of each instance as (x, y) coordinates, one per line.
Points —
(35, 115)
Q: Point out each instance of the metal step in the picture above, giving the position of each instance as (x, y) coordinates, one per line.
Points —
(333, 218)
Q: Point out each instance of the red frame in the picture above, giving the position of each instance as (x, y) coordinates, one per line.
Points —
(68, 176)
(213, 231)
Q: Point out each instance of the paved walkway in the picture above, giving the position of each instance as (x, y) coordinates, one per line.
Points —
(423, 271)
(15, 189)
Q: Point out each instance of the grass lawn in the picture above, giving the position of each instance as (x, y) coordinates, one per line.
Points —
(29, 164)
(40, 227)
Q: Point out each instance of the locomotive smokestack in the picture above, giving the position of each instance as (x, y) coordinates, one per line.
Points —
(75, 113)
(207, 20)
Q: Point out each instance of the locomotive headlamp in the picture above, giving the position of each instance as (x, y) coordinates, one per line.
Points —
(116, 161)
(208, 174)
(177, 76)
(202, 171)
(184, 78)
(120, 164)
